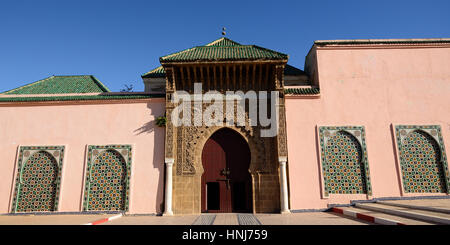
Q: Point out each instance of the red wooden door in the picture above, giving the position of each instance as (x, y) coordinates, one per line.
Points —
(226, 182)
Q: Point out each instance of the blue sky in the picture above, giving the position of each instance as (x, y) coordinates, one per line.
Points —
(117, 41)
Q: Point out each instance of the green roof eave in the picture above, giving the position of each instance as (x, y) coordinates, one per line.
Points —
(224, 53)
(296, 91)
(160, 73)
(157, 72)
(81, 97)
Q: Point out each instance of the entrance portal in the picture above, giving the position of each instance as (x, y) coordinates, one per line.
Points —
(226, 181)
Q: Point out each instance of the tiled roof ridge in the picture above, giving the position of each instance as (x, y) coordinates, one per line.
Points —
(101, 85)
(234, 46)
(222, 39)
(266, 49)
(158, 71)
(211, 44)
(177, 53)
(157, 68)
(83, 75)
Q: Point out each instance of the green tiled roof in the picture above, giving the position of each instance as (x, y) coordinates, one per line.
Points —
(223, 42)
(224, 49)
(81, 97)
(159, 72)
(62, 85)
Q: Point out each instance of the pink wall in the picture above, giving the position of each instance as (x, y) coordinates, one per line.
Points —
(369, 87)
(77, 126)
(374, 88)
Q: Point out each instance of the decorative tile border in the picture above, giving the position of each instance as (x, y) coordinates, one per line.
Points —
(356, 133)
(125, 151)
(402, 132)
(25, 153)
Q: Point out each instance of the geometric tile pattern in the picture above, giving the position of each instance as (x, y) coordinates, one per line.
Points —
(107, 178)
(38, 179)
(422, 159)
(344, 160)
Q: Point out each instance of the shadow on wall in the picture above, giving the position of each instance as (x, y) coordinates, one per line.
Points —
(147, 127)
(319, 169)
(396, 157)
(158, 150)
(10, 204)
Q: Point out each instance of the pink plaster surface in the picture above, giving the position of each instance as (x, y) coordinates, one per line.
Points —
(369, 87)
(77, 126)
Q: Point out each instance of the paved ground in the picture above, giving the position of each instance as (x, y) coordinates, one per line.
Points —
(226, 219)
(59, 219)
(307, 218)
(153, 220)
(312, 218)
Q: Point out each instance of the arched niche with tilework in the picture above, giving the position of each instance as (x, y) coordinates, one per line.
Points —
(423, 162)
(344, 164)
(107, 178)
(38, 179)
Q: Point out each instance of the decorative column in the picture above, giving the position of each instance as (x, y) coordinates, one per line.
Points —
(169, 145)
(284, 201)
(168, 208)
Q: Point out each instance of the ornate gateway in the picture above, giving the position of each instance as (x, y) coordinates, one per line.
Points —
(224, 66)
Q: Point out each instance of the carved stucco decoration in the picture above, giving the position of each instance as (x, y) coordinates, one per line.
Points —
(190, 141)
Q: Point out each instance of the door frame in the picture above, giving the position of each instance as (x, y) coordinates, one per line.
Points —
(203, 182)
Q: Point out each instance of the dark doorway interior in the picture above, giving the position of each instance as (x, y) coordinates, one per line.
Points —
(213, 195)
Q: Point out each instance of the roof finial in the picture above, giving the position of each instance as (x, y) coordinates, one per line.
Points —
(223, 31)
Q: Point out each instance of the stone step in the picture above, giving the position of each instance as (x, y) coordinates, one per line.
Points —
(414, 205)
(382, 218)
(427, 216)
